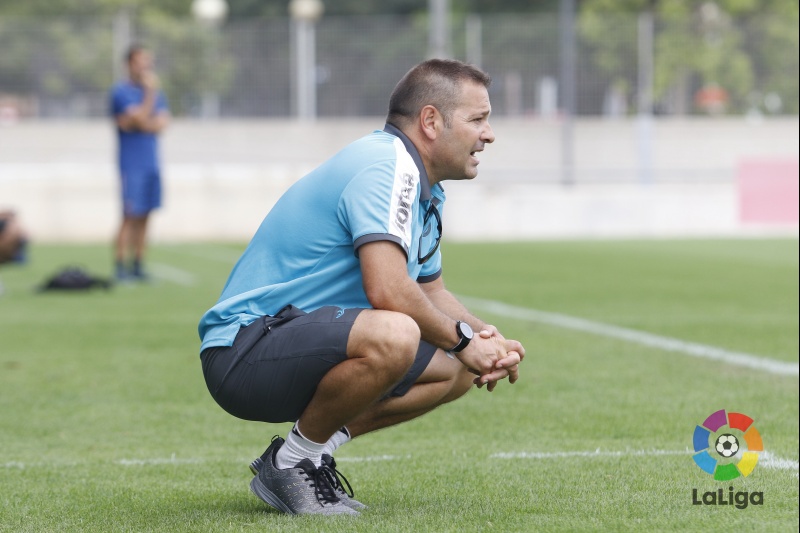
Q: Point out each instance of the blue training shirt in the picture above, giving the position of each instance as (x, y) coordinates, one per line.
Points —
(305, 252)
(138, 150)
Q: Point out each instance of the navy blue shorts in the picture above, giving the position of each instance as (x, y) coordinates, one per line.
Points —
(272, 370)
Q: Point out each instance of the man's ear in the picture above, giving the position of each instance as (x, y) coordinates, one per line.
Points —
(430, 121)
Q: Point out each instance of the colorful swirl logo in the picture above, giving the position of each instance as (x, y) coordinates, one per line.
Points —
(722, 434)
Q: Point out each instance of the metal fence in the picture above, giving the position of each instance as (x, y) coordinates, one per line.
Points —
(63, 68)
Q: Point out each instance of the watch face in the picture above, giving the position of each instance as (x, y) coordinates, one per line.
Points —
(466, 330)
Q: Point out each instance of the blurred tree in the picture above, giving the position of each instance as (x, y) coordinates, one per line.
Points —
(278, 8)
(749, 48)
(240, 9)
(702, 45)
(90, 8)
(192, 60)
(53, 49)
(505, 6)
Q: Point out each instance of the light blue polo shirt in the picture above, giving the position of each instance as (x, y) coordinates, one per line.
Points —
(305, 252)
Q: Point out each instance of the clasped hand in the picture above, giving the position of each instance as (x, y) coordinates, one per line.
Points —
(492, 357)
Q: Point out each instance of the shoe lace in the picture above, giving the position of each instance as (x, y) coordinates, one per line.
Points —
(336, 478)
(324, 490)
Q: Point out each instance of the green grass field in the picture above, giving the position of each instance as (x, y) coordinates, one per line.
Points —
(106, 425)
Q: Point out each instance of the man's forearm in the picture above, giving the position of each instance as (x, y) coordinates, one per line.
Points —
(156, 124)
(138, 118)
(448, 304)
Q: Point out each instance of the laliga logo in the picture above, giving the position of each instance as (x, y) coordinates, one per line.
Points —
(727, 445)
(726, 436)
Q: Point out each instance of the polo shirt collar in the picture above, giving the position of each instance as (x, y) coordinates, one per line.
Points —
(425, 185)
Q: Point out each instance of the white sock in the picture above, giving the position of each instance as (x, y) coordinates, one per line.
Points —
(340, 437)
(296, 448)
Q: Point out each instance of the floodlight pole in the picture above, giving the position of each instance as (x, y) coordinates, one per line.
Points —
(122, 39)
(567, 83)
(305, 14)
(210, 13)
(645, 104)
(474, 38)
(439, 29)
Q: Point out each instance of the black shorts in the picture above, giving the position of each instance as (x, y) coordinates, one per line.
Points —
(275, 364)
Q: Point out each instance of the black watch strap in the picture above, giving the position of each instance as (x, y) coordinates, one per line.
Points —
(464, 332)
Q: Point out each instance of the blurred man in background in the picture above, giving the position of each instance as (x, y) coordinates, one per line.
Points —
(140, 113)
(12, 238)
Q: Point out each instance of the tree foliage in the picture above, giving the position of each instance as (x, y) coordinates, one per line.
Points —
(747, 48)
(91, 8)
(250, 9)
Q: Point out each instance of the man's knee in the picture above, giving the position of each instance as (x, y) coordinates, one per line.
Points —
(384, 339)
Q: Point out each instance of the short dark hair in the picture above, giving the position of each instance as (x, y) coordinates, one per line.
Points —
(435, 82)
(134, 49)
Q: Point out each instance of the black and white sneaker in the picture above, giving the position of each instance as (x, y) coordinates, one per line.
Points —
(258, 462)
(336, 477)
(345, 495)
(304, 489)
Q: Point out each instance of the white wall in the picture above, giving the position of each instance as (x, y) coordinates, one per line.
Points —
(222, 177)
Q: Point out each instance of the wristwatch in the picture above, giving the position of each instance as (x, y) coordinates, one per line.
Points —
(465, 334)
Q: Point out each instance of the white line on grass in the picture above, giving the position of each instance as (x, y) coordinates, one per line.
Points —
(220, 254)
(767, 459)
(170, 273)
(778, 463)
(694, 349)
(372, 459)
(595, 453)
(158, 461)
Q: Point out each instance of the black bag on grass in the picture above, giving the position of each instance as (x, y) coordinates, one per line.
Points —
(74, 279)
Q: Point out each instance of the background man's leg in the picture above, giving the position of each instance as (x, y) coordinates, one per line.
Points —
(121, 246)
(138, 244)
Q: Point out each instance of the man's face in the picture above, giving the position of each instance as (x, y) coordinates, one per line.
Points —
(459, 145)
(140, 62)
